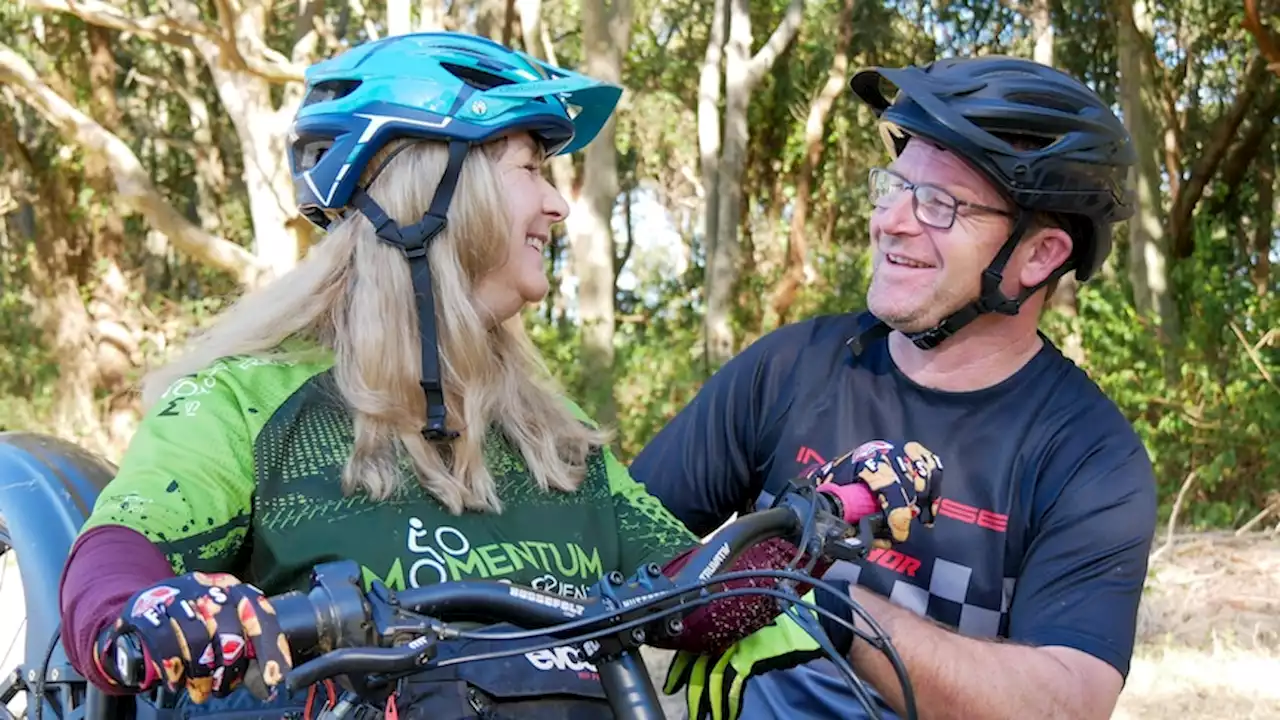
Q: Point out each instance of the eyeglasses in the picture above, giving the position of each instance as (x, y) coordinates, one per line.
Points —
(932, 205)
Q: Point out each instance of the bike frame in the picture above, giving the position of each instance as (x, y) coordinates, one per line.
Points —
(47, 489)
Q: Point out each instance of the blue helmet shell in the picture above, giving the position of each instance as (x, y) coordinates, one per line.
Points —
(439, 86)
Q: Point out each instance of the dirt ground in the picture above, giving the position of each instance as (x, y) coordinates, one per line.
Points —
(1209, 631)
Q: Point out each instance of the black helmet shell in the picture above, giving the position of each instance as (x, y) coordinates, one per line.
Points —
(971, 105)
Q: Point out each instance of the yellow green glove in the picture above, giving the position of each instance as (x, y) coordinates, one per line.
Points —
(715, 684)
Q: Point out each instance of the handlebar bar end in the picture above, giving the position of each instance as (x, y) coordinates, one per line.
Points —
(131, 661)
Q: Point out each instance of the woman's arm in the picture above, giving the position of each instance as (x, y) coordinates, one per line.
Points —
(649, 533)
(107, 565)
(180, 502)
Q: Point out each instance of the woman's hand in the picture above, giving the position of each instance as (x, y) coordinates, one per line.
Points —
(205, 632)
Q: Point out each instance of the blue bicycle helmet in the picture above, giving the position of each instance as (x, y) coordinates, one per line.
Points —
(443, 86)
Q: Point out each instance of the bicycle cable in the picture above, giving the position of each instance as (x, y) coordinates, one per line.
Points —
(879, 640)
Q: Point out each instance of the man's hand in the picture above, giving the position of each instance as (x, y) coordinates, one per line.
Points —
(715, 684)
(905, 477)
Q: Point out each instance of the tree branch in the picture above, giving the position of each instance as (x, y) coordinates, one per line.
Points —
(777, 42)
(161, 28)
(1249, 146)
(1268, 43)
(784, 294)
(1205, 168)
(180, 31)
(132, 185)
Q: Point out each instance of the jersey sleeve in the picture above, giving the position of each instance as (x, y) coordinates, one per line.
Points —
(708, 462)
(187, 479)
(647, 531)
(1083, 573)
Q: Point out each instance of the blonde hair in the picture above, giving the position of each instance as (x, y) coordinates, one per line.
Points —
(353, 295)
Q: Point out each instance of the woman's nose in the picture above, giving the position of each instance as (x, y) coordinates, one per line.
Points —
(554, 205)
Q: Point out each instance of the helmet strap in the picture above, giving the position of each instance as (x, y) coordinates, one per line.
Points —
(992, 298)
(414, 241)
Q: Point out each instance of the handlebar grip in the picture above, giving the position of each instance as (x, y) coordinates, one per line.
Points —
(855, 500)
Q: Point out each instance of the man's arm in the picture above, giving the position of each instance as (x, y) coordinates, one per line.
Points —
(1072, 620)
(706, 464)
(953, 676)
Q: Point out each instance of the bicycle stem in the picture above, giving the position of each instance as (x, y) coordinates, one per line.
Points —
(629, 689)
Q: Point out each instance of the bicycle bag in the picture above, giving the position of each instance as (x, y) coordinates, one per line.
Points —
(553, 684)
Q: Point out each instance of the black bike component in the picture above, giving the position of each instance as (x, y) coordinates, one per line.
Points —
(334, 613)
(631, 692)
(363, 661)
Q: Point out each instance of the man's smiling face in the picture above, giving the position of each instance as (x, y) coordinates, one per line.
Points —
(921, 274)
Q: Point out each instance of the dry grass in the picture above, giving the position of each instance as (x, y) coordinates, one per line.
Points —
(1209, 632)
(1195, 684)
(1208, 590)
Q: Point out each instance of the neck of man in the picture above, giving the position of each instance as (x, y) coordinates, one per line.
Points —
(985, 352)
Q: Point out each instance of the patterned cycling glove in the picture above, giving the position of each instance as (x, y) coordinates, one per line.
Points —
(208, 632)
(905, 477)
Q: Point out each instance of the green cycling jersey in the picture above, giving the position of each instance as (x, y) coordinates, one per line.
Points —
(237, 468)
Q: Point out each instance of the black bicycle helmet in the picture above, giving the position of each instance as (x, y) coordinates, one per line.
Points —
(1076, 167)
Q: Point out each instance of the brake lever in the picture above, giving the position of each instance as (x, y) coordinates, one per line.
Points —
(390, 619)
(834, 537)
(363, 661)
(852, 546)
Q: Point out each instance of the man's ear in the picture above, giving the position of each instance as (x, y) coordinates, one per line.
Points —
(1043, 252)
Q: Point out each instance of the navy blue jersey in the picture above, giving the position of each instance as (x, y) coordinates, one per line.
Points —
(1049, 496)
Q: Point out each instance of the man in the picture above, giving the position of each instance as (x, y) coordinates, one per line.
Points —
(1021, 599)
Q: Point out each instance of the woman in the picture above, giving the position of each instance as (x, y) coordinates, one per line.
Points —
(381, 402)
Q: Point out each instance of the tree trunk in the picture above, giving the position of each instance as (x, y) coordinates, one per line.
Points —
(795, 265)
(59, 261)
(709, 82)
(1148, 256)
(399, 17)
(132, 185)
(1065, 298)
(112, 347)
(606, 33)
(430, 16)
(278, 229)
(243, 68)
(743, 73)
(1260, 273)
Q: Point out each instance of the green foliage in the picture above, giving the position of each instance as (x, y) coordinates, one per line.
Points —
(1202, 405)
(1206, 401)
(28, 372)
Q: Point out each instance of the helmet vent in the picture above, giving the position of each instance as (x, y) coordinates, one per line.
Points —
(476, 78)
(1052, 101)
(309, 151)
(330, 90)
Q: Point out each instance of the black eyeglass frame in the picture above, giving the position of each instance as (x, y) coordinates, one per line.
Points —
(948, 199)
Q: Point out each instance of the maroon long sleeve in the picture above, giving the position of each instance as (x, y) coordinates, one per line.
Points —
(715, 626)
(107, 565)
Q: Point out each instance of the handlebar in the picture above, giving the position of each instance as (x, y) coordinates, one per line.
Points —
(345, 631)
